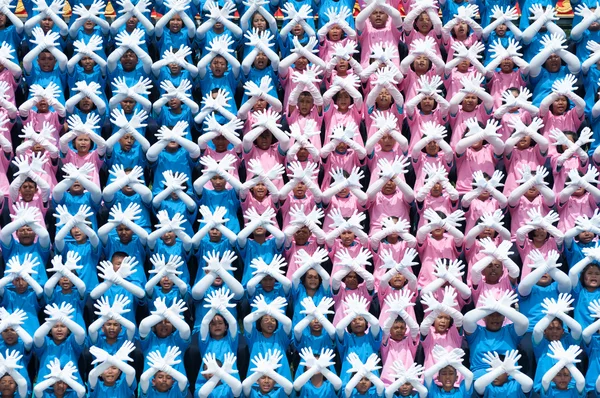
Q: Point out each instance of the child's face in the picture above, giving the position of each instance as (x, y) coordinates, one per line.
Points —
(46, 61)
(162, 381)
(266, 384)
(507, 65)
(218, 183)
(378, 19)
(79, 236)
(358, 325)
(311, 279)
(437, 190)
(59, 332)
(9, 336)
(545, 280)
(127, 142)
(341, 148)
(42, 106)
(447, 377)
(342, 67)
(297, 30)
(261, 61)
(20, 285)
(524, 143)
(299, 190)
(175, 104)
(347, 237)
(168, 238)
(214, 235)
(315, 326)
(389, 188)
(397, 281)
(424, 24)
(111, 375)
(166, 284)
(387, 143)
(175, 24)
(301, 63)
(442, 323)
(265, 140)
(421, 64)
(559, 106)
(398, 331)
(405, 389)
(218, 66)
(305, 104)
(260, 105)
(259, 22)
(65, 284)
(87, 63)
(83, 143)
(463, 66)
(562, 379)
(461, 30)
(384, 99)
(60, 388)
(343, 193)
(585, 237)
(500, 380)
(26, 235)
(268, 324)
(111, 329)
(501, 30)
(335, 33)
(163, 329)
(493, 272)
(217, 327)
(554, 331)
(3, 19)
(221, 143)
(125, 234)
(302, 235)
(432, 148)
(127, 104)
(351, 280)
(437, 233)
(591, 277)
(363, 385)
(427, 104)
(343, 101)
(174, 69)
(469, 103)
(260, 191)
(268, 283)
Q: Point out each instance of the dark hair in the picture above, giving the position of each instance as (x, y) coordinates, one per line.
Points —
(117, 255)
(28, 179)
(581, 276)
(551, 107)
(259, 327)
(335, 97)
(303, 278)
(532, 233)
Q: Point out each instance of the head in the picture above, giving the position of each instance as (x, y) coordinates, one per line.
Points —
(494, 321)
(129, 61)
(268, 283)
(126, 142)
(470, 102)
(421, 64)
(218, 66)
(218, 327)
(358, 326)
(65, 284)
(343, 100)
(128, 105)
(264, 140)
(266, 384)
(539, 236)
(83, 143)
(87, 63)
(267, 325)
(501, 30)
(47, 24)
(507, 65)
(442, 323)
(214, 235)
(493, 272)
(302, 236)
(423, 23)
(26, 236)
(10, 336)
(20, 285)
(125, 234)
(460, 30)
(111, 329)
(218, 183)
(562, 379)
(162, 381)
(553, 63)
(560, 105)
(447, 377)
(590, 277)
(59, 332)
(432, 148)
(46, 61)
(384, 100)
(305, 103)
(363, 385)
(311, 279)
(175, 24)
(555, 330)
(336, 33)
(378, 19)
(163, 329)
(261, 61)
(259, 191)
(427, 105)
(8, 386)
(259, 22)
(398, 330)
(110, 376)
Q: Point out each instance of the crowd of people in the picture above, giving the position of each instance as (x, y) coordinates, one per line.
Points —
(201, 199)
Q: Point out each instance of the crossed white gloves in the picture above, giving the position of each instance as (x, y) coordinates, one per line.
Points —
(361, 370)
(220, 374)
(106, 312)
(158, 362)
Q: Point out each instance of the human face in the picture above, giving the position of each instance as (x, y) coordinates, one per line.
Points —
(343, 101)
(9, 336)
(166, 284)
(129, 61)
(59, 332)
(87, 63)
(441, 324)
(347, 237)
(500, 380)
(351, 280)
(25, 235)
(111, 375)
(398, 331)
(384, 99)
(217, 327)
(427, 104)
(363, 385)
(260, 105)
(299, 190)
(507, 65)
(86, 105)
(559, 106)
(469, 103)
(218, 183)
(421, 64)
(111, 329)
(268, 283)
(8, 387)
(436, 190)
(447, 377)
(83, 143)
(335, 33)
(264, 140)
(461, 30)
(175, 104)
(65, 284)
(389, 188)
(163, 329)
(20, 285)
(312, 280)
(169, 238)
(301, 236)
(221, 143)
(47, 24)
(554, 331)
(214, 235)
(266, 384)
(2, 20)
(260, 191)
(405, 389)
(387, 143)
(501, 30)
(424, 24)
(268, 324)
(524, 143)
(358, 326)
(586, 237)
(259, 22)
(562, 379)
(378, 19)
(127, 142)
(88, 25)
(261, 61)
(46, 61)
(432, 148)
(162, 381)
(397, 280)
(591, 277)
(540, 235)
(124, 233)
(128, 104)
(305, 104)
(176, 24)
(342, 67)
(493, 272)
(131, 23)
(315, 327)
(494, 321)
(553, 63)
